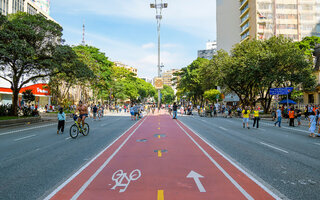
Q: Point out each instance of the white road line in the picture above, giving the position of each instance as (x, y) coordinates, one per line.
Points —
(245, 193)
(68, 138)
(223, 128)
(317, 144)
(235, 165)
(273, 147)
(27, 129)
(24, 138)
(85, 166)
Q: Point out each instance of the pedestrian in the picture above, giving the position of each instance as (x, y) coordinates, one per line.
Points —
(246, 117)
(313, 124)
(299, 114)
(256, 118)
(61, 120)
(279, 117)
(291, 117)
(132, 112)
(174, 110)
(95, 110)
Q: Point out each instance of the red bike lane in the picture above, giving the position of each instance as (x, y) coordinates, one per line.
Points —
(160, 158)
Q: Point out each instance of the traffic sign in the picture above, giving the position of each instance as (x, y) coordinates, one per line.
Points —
(158, 83)
(281, 91)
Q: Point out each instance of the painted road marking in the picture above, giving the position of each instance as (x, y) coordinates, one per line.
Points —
(160, 195)
(317, 144)
(159, 153)
(27, 129)
(159, 136)
(84, 186)
(223, 128)
(68, 138)
(159, 128)
(196, 177)
(122, 180)
(245, 193)
(273, 147)
(234, 164)
(24, 138)
(86, 165)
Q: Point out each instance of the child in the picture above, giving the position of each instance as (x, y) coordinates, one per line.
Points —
(61, 121)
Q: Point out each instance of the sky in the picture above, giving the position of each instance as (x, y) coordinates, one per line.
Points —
(126, 30)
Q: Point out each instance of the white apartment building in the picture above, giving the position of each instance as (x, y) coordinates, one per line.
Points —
(211, 49)
(41, 7)
(228, 32)
(293, 19)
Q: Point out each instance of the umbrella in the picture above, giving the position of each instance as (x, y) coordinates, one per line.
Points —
(285, 102)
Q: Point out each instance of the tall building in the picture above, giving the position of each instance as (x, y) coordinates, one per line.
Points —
(228, 32)
(293, 19)
(29, 6)
(168, 76)
(211, 49)
(131, 69)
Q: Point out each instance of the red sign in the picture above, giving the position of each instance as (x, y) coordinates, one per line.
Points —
(37, 89)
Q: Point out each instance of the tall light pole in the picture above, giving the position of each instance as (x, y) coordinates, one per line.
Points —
(159, 7)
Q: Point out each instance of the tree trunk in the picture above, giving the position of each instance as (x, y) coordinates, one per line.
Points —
(15, 99)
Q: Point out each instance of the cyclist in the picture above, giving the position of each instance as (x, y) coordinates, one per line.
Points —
(83, 112)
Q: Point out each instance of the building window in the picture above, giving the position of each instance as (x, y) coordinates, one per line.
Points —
(286, 16)
(286, 6)
(17, 5)
(31, 10)
(245, 8)
(245, 35)
(244, 27)
(245, 17)
(4, 7)
(265, 6)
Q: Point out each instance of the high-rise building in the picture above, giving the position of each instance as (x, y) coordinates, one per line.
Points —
(168, 76)
(293, 19)
(211, 49)
(228, 32)
(131, 69)
(29, 6)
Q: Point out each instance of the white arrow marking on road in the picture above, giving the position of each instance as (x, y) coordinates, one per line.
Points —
(196, 178)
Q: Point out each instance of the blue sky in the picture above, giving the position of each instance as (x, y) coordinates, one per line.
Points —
(126, 30)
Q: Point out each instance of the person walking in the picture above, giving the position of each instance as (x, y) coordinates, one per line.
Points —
(279, 117)
(291, 117)
(246, 117)
(313, 124)
(61, 120)
(174, 110)
(94, 111)
(256, 118)
(299, 114)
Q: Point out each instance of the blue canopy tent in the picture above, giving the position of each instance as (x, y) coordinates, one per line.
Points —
(285, 102)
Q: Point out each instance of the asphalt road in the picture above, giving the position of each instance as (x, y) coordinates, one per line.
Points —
(34, 160)
(285, 159)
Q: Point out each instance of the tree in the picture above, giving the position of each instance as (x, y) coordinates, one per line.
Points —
(191, 83)
(212, 95)
(30, 47)
(28, 96)
(100, 65)
(167, 95)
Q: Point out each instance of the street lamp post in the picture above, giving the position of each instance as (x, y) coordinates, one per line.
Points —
(159, 7)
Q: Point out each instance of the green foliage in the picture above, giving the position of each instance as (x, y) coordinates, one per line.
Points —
(167, 95)
(308, 44)
(212, 95)
(28, 96)
(30, 46)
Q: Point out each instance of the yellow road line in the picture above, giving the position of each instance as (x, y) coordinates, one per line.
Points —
(159, 128)
(160, 195)
(159, 136)
(159, 153)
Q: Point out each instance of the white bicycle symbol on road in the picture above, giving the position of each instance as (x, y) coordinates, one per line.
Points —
(122, 180)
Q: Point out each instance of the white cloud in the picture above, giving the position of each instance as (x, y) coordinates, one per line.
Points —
(196, 17)
(148, 46)
(144, 59)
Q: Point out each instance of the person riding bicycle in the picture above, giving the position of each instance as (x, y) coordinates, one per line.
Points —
(83, 112)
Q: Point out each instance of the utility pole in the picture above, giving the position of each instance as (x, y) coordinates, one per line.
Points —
(159, 7)
(83, 34)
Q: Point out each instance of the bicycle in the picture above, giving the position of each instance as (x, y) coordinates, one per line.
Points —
(75, 128)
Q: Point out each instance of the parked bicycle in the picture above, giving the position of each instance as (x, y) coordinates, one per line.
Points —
(76, 128)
